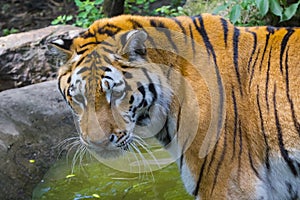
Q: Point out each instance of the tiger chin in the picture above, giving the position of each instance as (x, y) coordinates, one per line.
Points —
(223, 100)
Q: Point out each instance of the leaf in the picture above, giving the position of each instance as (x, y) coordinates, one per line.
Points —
(290, 11)
(78, 3)
(98, 2)
(69, 17)
(263, 6)
(235, 13)
(219, 9)
(70, 175)
(275, 8)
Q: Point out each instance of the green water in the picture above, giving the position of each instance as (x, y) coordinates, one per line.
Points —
(93, 180)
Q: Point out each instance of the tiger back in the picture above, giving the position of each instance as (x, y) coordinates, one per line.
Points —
(223, 100)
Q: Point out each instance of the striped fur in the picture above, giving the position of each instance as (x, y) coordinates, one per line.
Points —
(255, 71)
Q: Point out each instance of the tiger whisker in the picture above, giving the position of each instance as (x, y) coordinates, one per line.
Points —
(145, 161)
(62, 143)
(76, 156)
(65, 144)
(138, 138)
(70, 147)
(136, 158)
(145, 146)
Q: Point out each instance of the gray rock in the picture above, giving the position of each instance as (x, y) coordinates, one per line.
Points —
(33, 121)
(25, 59)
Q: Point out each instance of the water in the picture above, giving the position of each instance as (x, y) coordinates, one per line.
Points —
(94, 180)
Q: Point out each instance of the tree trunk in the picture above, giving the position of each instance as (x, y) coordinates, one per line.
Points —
(113, 7)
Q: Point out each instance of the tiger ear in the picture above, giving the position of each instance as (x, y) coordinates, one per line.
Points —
(134, 46)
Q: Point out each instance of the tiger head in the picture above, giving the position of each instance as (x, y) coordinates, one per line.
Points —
(115, 92)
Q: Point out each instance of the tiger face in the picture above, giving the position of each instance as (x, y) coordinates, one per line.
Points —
(115, 92)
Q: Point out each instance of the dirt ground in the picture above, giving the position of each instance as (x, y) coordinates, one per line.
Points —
(25, 15)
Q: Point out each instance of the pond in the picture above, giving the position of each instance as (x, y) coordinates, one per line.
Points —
(92, 179)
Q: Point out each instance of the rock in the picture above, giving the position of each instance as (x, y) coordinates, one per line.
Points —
(24, 57)
(33, 121)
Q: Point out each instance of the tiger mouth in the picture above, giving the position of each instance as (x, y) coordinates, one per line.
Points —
(112, 144)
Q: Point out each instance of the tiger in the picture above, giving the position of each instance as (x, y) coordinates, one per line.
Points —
(222, 99)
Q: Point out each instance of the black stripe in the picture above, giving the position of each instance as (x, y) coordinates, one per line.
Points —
(137, 25)
(141, 89)
(83, 69)
(253, 69)
(164, 136)
(235, 110)
(107, 77)
(68, 80)
(127, 75)
(181, 27)
(81, 51)
(283, 151)
(267, 160)
(271, 29)
(210, 51)
(221, 159)
(87, 34)
(107, 50)
(267, 79)
(167, 138)
(147, 75)
(127, 87)
(123, 38)
(87, 44)
(296, 123)
(235, 45)
(192, 42)
(196, 190)
(59, 82)
(125, 67)
(182, 155)
(241, 148)
(292, 191)
(213, 155)
(106, 59)
(68, 91)
(252, 164)
(131, 99)
(161, 28)
(225, 30)
(106, 69)
(152, 89)
(109, 29)
(253, 49)
(106, 43)
(283, 45)
(122, 135)
(264, 51)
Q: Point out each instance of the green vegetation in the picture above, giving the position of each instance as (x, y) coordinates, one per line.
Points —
(257, 12)
(89, 11)
(62, 19)
(139, 7)
(7, 31)
(239, 12)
